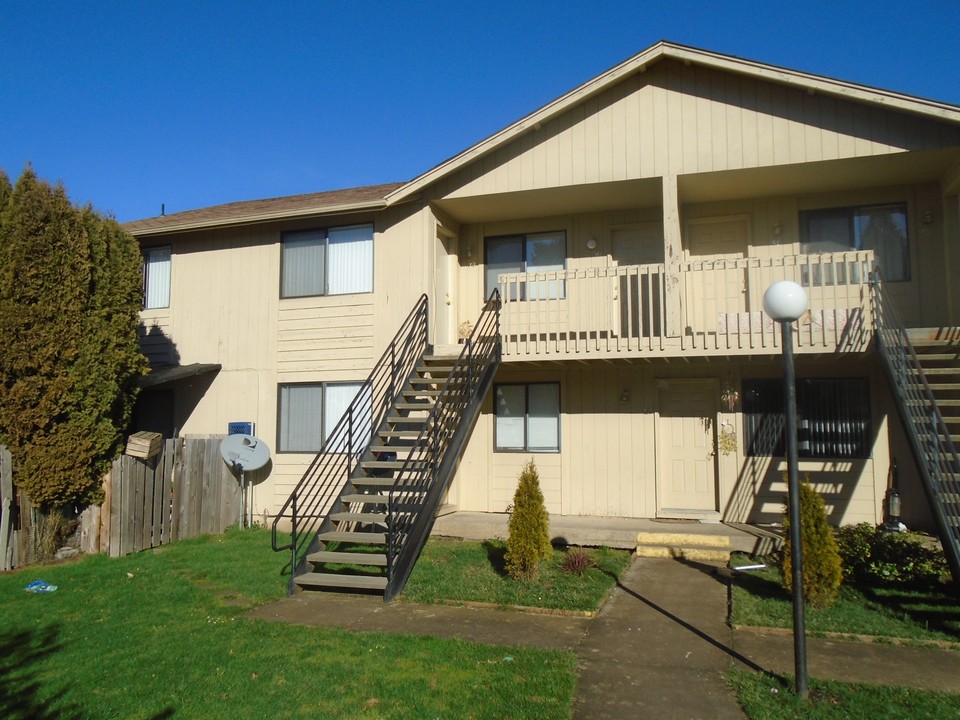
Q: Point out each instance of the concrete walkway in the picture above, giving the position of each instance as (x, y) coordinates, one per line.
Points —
(659, 648)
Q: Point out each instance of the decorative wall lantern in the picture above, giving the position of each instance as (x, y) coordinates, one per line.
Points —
(729, 397)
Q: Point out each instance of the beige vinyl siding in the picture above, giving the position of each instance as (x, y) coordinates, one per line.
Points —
(333, 333)
(226, 308)
(608, 462)
(678, 119)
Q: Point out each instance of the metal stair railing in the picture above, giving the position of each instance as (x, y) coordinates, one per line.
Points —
(926, 430)
(419, 485)
(324, 480)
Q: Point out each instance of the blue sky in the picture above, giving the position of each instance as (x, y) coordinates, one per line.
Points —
(189, 104)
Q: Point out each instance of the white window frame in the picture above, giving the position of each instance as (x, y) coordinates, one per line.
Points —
(524, 422)
(157, 264)
(322, 421)
(334, 259)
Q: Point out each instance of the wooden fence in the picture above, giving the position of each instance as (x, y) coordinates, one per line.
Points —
(8, 546)
(186, 490)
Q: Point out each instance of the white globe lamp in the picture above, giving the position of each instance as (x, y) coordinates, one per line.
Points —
(785, 301)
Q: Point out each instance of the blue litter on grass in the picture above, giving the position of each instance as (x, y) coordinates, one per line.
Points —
(40, 586)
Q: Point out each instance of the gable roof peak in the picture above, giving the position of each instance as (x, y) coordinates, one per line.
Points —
(666, 49)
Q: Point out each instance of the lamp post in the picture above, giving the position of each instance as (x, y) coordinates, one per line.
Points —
(785, 302)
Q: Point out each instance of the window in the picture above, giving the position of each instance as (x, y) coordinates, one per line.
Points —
(539, 252)
(309, 412)
(881, 228)
(334, 261)
(527, 417)
(833, 418)
(156, 278)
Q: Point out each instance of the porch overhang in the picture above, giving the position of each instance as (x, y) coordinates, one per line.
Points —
(166, 375)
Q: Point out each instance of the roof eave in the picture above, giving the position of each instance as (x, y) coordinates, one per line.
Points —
(261, 218)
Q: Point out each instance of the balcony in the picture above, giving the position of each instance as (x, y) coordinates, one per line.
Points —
(695, 307)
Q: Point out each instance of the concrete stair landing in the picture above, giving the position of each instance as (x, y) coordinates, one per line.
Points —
(688, 540)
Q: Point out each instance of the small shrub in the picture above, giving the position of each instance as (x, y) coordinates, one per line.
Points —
(528, 542)
(822, 568)
(577, 562)
(873, 556)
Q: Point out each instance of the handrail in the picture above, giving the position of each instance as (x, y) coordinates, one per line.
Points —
(927, 432)
(332, 467)
(430, 458)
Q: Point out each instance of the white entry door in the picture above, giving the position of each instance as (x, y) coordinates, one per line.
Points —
(687, 468)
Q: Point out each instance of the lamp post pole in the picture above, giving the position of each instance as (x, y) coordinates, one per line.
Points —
(785, 302)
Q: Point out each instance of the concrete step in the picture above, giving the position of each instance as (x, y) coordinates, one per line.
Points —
(686, 546)
(336, 580)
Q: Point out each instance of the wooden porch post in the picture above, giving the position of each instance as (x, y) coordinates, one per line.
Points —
(671, 255)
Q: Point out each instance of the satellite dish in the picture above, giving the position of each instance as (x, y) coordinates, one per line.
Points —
(244, 452)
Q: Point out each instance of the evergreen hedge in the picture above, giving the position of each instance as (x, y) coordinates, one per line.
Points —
(70, 296)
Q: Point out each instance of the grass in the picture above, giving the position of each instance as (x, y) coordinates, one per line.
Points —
(764, 697)
(161, 635)
(459, 572)
(920, 616)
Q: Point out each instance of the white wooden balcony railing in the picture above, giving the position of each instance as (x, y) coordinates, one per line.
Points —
(707, 307)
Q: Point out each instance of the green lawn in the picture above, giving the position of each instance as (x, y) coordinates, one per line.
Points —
(920, 616)
(770, 698)
(465, 571)
(161, 635)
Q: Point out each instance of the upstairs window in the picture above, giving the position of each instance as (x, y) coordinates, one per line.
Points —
(309, 412)
(527, 417)
(534, 253)
(833, 418)
(156, 278)
(333, 261)
(881, 228)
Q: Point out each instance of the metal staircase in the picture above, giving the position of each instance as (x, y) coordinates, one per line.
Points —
(925, 379)
(361, 513)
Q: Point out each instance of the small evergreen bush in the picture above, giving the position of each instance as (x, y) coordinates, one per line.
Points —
(873, 556)
(822, 568)
(528, 542)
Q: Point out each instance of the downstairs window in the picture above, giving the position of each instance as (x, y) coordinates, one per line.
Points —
(833, 418)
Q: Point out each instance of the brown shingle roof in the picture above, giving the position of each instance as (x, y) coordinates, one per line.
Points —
(237, 213)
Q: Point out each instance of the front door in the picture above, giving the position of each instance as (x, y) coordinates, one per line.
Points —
(719, 296)
(687, 468)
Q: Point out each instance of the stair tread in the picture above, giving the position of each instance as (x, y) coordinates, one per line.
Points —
(315, 579)
(373, 498)
(373, 538)
(406, 420)
(398, 433)
(348, 558)
(390, 464)
(360, 517)
(383, 482)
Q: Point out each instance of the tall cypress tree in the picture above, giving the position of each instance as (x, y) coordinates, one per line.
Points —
(69, 303)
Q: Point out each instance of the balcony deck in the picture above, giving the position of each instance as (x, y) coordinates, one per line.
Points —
(703, 307)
